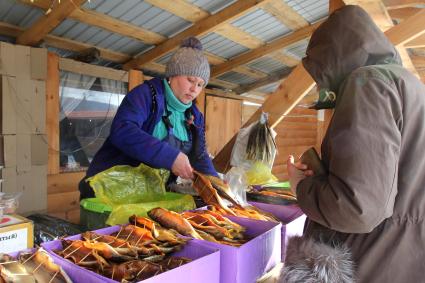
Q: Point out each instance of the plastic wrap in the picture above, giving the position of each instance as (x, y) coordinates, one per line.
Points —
(125, 184)
(48, 228)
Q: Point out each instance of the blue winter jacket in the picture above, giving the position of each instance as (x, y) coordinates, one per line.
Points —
(130, 141)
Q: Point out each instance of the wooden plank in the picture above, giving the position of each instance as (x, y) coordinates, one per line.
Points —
(223, 120)
(48, 22)
(285, 14)
(73, 216)
(103, 21)
(285, 59)
(408, 30)
(416, 43)
(200, 102)
(401, 14)
(395, 4)
(64, 182)
(92, 70)
(62, 202)
(66, 44)
(223, 83)
(200, 28)
(52, 112)
(239, 36)
(261, 51)
(231, 95)
(276, 76)
(135, 78)
(250, 72)
(182, 9)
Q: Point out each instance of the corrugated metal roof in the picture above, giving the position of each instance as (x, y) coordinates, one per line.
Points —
(262, 25)
(267, 65)
(298, 49)
(17, 14)
(236, 78)
(211, 6)
(96, 36)
(221, 46)
(311, 10)
(141, 14)
(269, 88)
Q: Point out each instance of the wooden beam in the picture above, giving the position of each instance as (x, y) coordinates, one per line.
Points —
(403, 13)
(416, 43)
(231, 95)
(279, 104)
(52, 112)
(239, 36)
(92, 70)
(277, 76)
(408, 30)
(285, 59)
(135, 78)
(200, 28)
(395, 4)
(48, 22)
(66, 44)
(285, 14)
(223, 83)
(106, 22)
(263, 50)
(182, 9)
(250, 72)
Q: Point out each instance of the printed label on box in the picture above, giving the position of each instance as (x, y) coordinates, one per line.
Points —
(13, 241)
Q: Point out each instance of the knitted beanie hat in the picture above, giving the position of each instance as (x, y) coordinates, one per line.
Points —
(189, 60)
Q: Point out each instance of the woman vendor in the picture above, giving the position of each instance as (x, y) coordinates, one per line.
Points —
(158, 123)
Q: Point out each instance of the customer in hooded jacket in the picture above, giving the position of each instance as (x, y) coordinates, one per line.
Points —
(371, 202)
(158, 123)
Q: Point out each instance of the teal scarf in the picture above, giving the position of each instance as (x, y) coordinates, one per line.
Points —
(177, 117)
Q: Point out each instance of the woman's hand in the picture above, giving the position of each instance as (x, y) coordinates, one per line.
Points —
(296, 171)
(181, 167)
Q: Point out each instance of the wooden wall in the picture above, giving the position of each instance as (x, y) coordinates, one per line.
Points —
(223, 121)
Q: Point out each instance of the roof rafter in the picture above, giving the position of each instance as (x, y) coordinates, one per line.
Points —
(285, 14)
(199, 28)
(105, 22)
(48, 22)
(263, 50)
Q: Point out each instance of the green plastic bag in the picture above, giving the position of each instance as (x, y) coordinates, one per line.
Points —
(171, 201)
(124, 184)
(136, 190)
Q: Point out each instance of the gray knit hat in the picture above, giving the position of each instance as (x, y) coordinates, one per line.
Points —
(189, 60)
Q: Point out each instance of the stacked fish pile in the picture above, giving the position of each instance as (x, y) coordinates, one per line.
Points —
(202, 225)
(36, 267)
(136, 252)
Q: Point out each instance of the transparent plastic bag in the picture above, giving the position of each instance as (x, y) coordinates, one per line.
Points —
(124, 184)
(10, 202)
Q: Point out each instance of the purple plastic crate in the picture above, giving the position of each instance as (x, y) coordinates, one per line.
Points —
(247, 263)
(205, 266)
(292, 218)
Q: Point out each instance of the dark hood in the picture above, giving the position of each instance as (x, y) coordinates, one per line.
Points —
(347, 40)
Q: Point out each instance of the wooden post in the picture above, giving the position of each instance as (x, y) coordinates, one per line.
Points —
(135, 77)
(52, 112)
(200, 102)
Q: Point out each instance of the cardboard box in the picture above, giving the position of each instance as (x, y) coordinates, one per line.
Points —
(25, 90)
(39, 150)
(247, 263)
(23, 153)
(204, 268)
(7, 59)
(22, 61)
(9, 179)
(16, 233)
(38, 63)
(38, 109)
(8, 105)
